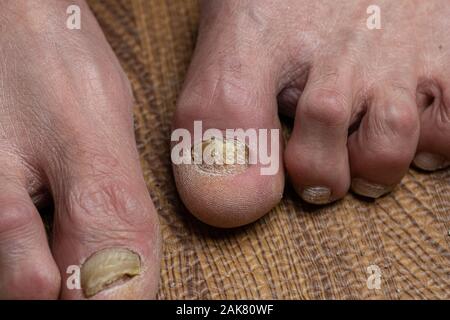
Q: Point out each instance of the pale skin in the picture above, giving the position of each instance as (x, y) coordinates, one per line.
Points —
(318, 62)
(66, 125)
(66, 132)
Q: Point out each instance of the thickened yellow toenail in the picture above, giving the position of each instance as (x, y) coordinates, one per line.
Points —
(430, 162)
(221, 156)
(369, 189)
(316, 195)
(106, 267)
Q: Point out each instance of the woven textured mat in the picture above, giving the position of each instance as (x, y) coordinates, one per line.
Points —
(296, 251)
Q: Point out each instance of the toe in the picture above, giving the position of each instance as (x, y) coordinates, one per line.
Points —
(433, 151)
(27, 268)
(383, 147)
(228, 89)
(316, 154)
(106, 239)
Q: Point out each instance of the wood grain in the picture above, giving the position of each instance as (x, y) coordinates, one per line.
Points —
(296, 251)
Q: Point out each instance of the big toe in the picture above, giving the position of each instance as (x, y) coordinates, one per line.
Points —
(27, 268)
(228, 103)
(106, 237)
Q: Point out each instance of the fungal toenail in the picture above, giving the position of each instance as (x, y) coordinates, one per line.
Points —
(430, 162)
(219, 156)
(316, 195)
(107, 266)
(369, 189)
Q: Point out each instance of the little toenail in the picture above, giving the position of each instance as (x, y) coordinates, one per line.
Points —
(369, 189)
(219, 156)
(107, 266)
(316, 195)
(429, 162)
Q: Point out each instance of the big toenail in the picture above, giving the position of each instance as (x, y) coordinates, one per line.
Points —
(316, 195)
(430, 162)
(106, 267)
(369, 189)
(219, 156)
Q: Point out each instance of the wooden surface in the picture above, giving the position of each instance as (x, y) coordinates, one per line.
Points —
(296, 251)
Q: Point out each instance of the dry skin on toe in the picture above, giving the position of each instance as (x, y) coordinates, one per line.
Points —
(316, 195)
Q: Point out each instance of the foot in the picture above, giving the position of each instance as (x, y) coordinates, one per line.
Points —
(66, 133)
(366, 101)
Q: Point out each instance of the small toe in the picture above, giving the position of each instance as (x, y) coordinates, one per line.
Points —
(316, 155)
(106, 235)
(382, 148)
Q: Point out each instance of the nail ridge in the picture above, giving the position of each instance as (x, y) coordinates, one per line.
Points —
(106, 267)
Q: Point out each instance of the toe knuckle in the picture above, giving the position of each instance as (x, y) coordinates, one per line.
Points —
(402, 120)
(15, 215)
(326, 106)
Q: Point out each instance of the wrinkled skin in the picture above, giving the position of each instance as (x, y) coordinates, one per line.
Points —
(66, 134)
(365, 101)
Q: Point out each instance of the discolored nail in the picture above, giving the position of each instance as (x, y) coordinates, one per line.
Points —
(369, 189)
(316, 195)
(430, 162)
(107, 266)
(221, 156)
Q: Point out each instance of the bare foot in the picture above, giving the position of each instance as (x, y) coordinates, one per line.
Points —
(366, 101)
(66, 131)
